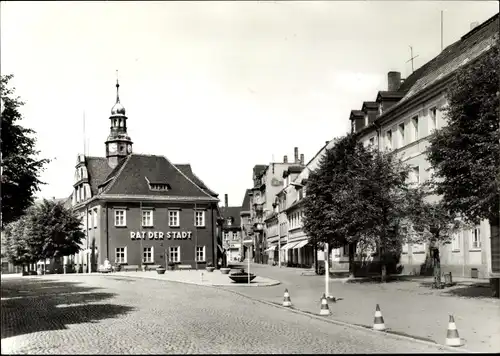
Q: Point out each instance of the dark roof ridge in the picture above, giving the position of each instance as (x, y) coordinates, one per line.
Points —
(116, 175)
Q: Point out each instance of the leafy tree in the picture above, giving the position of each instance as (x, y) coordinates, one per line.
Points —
(56, 229)
(357, 196)
(16, 245)
(48, 230)
(20, 167)
(465, 152)
(331, 207)
(384, 197)
(428, 221)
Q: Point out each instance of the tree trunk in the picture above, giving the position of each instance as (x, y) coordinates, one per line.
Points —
(316, 266)
(436, 262)
(495, 254)
(383, 272)
(352, 263)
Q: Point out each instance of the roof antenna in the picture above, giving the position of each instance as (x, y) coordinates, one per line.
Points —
(411, 59)
(442, 21)
(84, 137)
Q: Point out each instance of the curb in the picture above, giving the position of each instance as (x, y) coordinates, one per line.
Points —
(270, 284)
(387, 333)
(392, 334)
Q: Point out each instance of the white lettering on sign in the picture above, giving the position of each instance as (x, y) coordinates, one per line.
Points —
(160, 235)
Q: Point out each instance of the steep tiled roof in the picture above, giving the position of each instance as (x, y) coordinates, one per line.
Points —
(186, 169)
(258, 169)
(130, 178)
(390, 95)
(231, 212)
(356, 113)
(369, 105)
(469, 47)
(245, 206)
(98, 170)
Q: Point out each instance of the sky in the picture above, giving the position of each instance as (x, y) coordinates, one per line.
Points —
(220, 85)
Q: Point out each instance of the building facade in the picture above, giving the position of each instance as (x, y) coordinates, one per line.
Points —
(140, 209)
(268, 181)
(231, 231)
(403, 121)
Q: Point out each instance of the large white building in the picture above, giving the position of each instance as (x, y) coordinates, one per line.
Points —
(401, 119)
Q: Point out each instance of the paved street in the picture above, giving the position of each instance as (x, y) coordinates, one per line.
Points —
(106, 314)
(411, 308)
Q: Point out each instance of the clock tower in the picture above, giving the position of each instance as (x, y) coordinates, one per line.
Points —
(118, 144)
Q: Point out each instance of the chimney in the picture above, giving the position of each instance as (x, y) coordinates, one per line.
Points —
(285, 159)
(473, 25)
(302, 159)
(393, 81)
(296, 154)
(225, 200)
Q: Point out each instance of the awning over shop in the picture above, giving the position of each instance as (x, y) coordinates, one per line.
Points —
(270, 248)
(290, 245)
(283, 247)
(301, 244)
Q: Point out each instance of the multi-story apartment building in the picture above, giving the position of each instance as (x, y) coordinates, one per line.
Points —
(403, 120)
(231, 231)
(246, 227)
(268, 181)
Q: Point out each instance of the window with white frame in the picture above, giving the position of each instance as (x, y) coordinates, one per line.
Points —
(173, 218)
(147, 217)
(388, 139)
(401, 130)
(415, 175)
(345, 250)
(476, 238)
(91, 219)
(199, 218)
(226, 236)
(148, 255)
(121, 255)
(95, 217)
(414, 124)
(404, 249)
(432, 119)
(174, 253)
(120, 217)
(455, 242)
(235, 235)
(200, 253)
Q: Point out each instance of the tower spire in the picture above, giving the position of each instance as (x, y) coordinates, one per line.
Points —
(117, 88)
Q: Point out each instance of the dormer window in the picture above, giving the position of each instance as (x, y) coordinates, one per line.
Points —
(158, 186)
(229, 221)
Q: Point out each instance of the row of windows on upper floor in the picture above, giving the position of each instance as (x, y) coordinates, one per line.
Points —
(408, 132)
(120, 218)
(230, 235)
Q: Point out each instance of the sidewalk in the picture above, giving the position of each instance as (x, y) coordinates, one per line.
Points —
(408, 307)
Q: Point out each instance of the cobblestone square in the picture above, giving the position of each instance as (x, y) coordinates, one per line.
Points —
(73, 314)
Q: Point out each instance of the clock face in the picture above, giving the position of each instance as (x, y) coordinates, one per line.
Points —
(129, 148)
(112, 147)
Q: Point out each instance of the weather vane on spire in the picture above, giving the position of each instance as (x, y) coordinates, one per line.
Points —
(117, 86)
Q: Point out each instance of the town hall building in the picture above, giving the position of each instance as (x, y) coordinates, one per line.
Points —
(140, 209)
